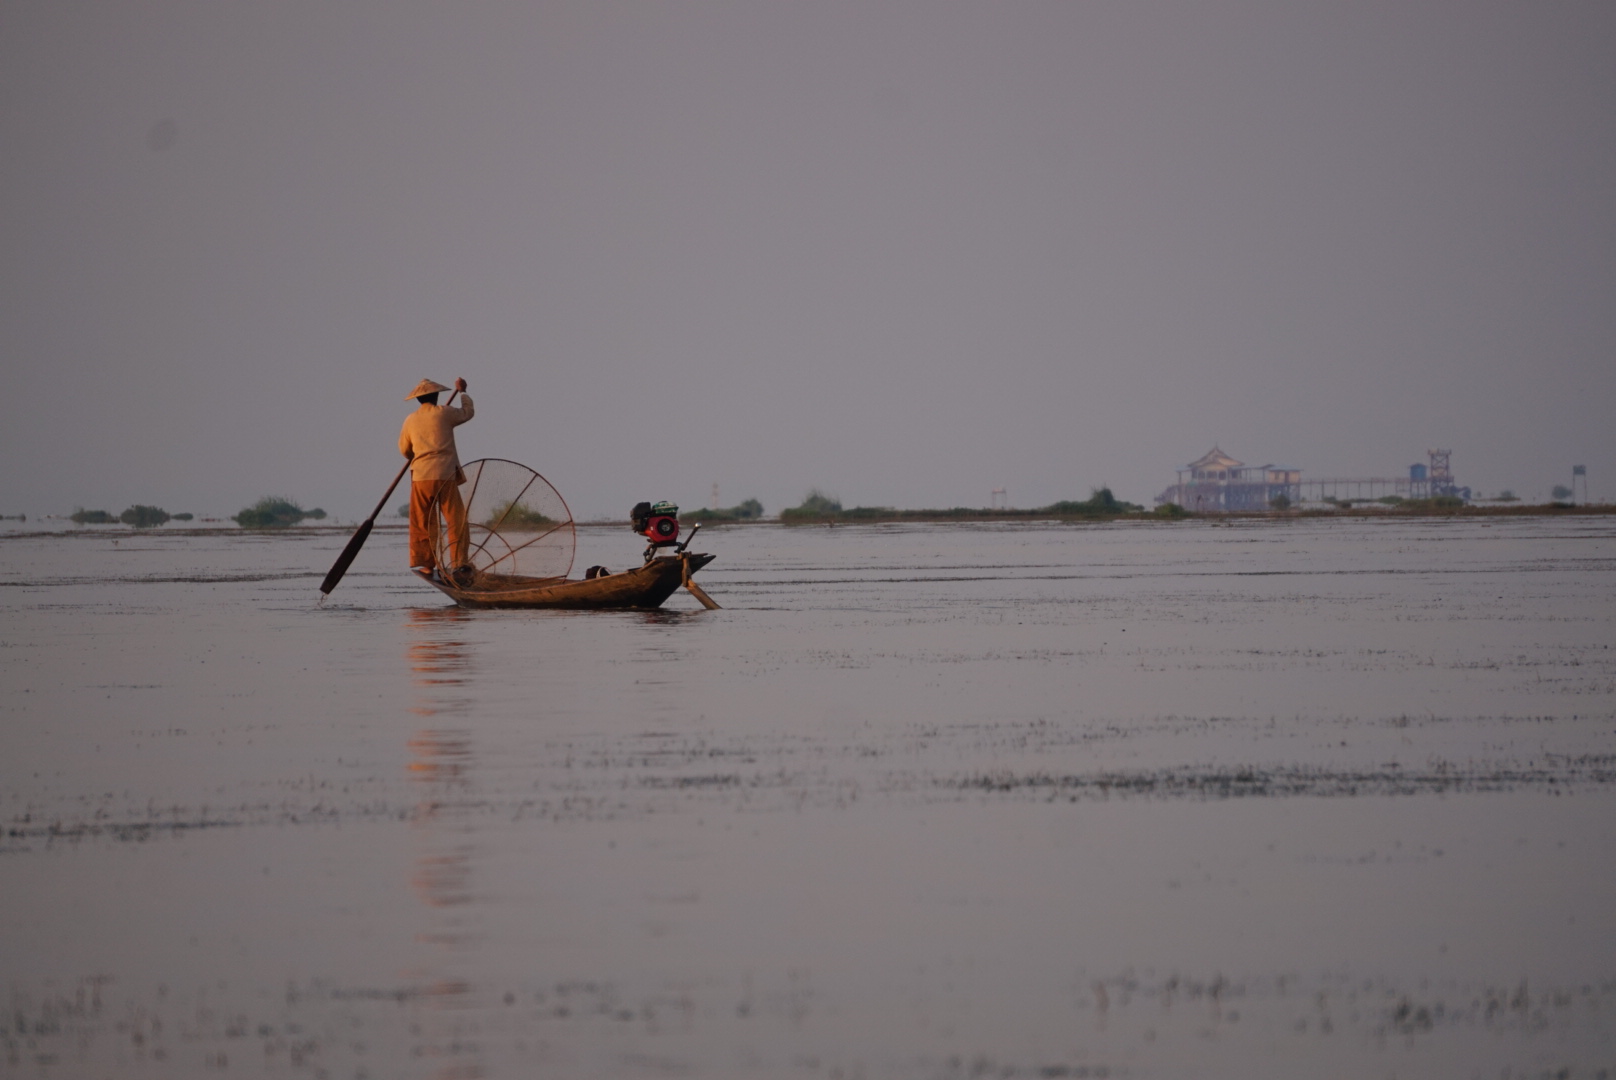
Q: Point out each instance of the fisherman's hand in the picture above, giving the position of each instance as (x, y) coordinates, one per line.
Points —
(460, 385)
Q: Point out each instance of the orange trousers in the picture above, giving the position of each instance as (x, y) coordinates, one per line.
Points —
(427, 497)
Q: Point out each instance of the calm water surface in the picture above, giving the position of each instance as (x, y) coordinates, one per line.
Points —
(1322, 798)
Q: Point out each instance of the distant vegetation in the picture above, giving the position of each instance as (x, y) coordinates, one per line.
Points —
(824, 509)
(876, 513)
(1439, 502)
(1507, 496)
(274, 512)
(143, 517)
(1561, 493)
(815, 505)
(139, 515)
(517, 517)
(1100, 503)
(747, 510)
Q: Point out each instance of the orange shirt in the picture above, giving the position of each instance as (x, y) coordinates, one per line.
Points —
(428, 434)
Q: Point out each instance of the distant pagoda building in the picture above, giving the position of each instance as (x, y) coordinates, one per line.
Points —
(1217, 483)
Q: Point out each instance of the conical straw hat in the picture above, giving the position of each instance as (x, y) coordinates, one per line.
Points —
(426, 386)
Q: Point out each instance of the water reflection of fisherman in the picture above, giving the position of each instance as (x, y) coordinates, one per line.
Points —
(439, 972)
(427, 439)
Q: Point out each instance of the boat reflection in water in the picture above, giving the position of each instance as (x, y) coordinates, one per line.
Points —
(441, 767)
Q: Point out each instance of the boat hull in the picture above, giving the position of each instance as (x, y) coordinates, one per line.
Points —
(642, 587)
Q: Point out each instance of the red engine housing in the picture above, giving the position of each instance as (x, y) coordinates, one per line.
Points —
(661, 530)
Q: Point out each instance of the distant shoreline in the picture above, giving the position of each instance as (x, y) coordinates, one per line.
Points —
(864, 516)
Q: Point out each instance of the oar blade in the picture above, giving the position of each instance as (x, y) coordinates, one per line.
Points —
(701, 594)
(346, 559)
(696, 590)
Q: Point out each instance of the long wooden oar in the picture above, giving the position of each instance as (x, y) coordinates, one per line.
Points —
(696, 590)
(362, 533)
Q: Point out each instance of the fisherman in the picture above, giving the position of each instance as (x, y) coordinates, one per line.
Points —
(428, 441)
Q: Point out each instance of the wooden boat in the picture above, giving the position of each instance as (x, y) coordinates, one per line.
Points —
(521, 541)
(642, 587)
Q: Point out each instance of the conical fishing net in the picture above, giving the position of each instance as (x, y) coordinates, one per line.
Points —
(520, 526)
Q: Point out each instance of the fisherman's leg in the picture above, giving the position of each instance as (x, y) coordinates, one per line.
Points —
(454, 520)
(423, 523)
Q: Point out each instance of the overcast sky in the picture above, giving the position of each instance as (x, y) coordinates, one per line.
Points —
(905, 251)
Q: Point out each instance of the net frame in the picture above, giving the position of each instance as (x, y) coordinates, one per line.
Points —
(496, 548)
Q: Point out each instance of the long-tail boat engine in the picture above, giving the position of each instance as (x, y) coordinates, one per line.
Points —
(658, 523)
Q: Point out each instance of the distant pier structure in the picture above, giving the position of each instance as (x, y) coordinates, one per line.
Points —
(1217, 483)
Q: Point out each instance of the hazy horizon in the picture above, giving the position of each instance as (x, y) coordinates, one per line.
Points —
(905, 252)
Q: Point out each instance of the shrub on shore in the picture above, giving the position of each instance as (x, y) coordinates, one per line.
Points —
(746, 510)
(815, 505)
(143, 517)
(817, 502)
(274, 512)
(82, 516)
(1439, 502)
(819, 507)
(516, 517)
(1100, 502)
(873, 513)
